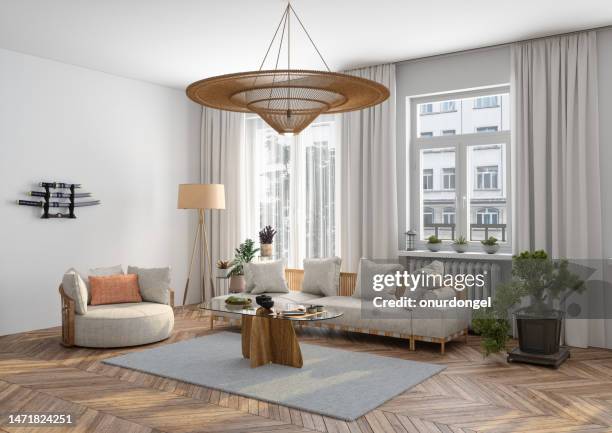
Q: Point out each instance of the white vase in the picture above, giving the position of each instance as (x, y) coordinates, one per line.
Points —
(490, 249)
(222, 273)
(460, 248)
(266, 250)
(434, 247)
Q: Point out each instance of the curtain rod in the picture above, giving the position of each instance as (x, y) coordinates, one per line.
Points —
(504, 44)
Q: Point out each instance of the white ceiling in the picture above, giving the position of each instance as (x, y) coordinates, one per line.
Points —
(176, 42)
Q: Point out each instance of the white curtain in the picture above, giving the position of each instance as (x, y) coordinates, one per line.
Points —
(290, 184)
(555, 144)
(368, 223)
(222, 161)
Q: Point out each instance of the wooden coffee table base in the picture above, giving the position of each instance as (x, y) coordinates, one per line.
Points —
(266, 340)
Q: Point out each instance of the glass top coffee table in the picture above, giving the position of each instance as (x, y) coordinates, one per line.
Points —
(267, 336)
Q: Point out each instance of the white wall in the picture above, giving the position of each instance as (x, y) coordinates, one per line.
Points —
(130, 143)
(435, 75)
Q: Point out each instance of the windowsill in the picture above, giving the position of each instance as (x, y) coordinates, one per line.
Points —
(484, 108)
(449, 254)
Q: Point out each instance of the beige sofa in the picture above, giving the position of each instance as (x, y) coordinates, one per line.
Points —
(116, 325)
(438, 325)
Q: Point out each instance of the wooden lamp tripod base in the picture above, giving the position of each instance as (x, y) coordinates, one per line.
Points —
(205, 260)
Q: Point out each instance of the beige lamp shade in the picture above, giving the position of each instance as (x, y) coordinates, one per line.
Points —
(201, 196)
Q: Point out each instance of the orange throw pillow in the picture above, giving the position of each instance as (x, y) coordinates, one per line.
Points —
(114, 289)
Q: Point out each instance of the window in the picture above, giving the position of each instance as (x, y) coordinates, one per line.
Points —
(426, 109)
(486, 177)
(449, 215)
(486, 129)
(428, 178)
(426, 134)
(448, 178)
(486, 102)
(292, 186)
(447, 106)
(428, 216)
(487, 215)
(461, 189)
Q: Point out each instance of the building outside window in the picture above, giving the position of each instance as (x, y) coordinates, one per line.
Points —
(447, 106)
(426, 108)
(486, 177)
(486, 129)
(449, 215)
(486, 102)
(462, 189)
(488, 215)
(448, 178)
(428, 178)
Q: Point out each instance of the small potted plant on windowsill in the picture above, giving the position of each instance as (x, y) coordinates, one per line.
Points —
(434, 243)
(223, 268)
(266, 236)
(460, 244)
(490, 246)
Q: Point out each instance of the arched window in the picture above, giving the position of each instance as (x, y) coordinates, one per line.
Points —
(449, 215)
(487, 215)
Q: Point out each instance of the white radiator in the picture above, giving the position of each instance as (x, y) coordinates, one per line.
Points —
(491, 270)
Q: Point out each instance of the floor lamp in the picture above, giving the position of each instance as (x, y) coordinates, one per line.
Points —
(201, 197)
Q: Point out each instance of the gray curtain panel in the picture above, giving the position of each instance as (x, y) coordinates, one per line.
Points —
(555, 146)
(368, 180)
(221, 162)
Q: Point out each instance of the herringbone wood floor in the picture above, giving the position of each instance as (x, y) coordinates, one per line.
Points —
(471, 395)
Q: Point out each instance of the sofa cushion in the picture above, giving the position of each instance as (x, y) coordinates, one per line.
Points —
(322, 276)
(75, 288)
(268, 277)
(365, 274)
(122, 325)
(355, 317)
(100, 272)
(114, 289)
(154, 283)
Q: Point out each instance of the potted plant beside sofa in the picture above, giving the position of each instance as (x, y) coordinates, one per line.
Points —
(243, 255)
(535, 275)
(434, 243)
(266, 236)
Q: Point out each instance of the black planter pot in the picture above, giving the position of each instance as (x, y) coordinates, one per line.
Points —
(539, 331)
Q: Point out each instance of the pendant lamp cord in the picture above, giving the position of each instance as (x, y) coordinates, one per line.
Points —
(285, 22)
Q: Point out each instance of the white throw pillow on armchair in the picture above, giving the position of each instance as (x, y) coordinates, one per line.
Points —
(322, 276)
(154, 283)
(268, 277)
(74, 286)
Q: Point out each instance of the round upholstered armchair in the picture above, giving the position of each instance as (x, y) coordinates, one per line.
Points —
(114, 325)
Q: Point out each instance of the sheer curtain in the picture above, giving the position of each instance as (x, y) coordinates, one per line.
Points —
(555, 144)
(290, 184)
(368, 177)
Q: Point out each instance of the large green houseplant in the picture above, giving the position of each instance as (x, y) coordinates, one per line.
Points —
(534, 274)
(243, 255)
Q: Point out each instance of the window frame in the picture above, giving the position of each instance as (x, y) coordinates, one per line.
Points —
(461, 143)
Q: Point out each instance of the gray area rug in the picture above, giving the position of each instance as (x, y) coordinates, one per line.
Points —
(333, 382)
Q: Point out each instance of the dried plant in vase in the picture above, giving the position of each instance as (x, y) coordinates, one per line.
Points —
(266, 236)
(223, 268)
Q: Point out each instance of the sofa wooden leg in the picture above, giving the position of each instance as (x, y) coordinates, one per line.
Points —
(442, 347)
(412, 344)
(212, 321)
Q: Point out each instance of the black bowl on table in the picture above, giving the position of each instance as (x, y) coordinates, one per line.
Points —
(264, 301)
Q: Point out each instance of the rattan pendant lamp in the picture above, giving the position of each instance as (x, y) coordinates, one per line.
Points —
(287, 99)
